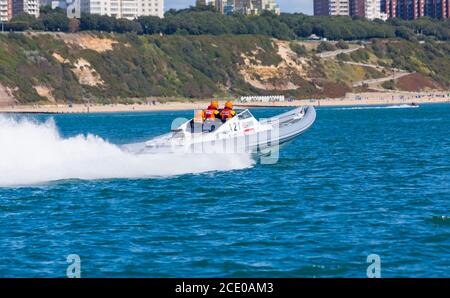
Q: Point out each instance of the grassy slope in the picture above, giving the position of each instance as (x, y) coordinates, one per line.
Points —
(189, 66)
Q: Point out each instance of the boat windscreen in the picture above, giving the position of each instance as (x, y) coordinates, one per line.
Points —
(245, 115)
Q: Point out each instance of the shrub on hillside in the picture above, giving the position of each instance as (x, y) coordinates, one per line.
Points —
(360, 55)
(343, 57)
(389, 85)
(341, 44)
(298, 48)
(325, 46)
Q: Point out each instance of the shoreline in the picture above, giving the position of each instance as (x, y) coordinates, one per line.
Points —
(359, 99)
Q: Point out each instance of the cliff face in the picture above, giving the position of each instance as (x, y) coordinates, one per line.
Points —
(111, 68)
(6, 97)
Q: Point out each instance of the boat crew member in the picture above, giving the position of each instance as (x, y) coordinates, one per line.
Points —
(197, 122)
(199, 116)
(227, 112)
(211, 116)
(212, 111)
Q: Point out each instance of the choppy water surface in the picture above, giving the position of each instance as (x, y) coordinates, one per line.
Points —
(361, 181)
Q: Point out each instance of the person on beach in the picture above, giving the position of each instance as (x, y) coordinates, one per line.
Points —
(227, 112)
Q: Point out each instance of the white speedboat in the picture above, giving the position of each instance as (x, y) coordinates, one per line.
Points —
(243, 133)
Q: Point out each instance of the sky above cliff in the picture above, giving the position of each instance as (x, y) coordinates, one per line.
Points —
(305, 6)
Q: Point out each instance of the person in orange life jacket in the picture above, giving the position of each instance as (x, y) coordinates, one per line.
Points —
(197, 122)
(211, 115)
(212, 111)
(227, 112)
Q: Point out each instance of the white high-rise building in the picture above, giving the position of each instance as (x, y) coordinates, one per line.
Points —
(59, 4)
(250, 7)
(30, 7)
(369, 9)
(218, 4)
(373, 9)
(5, 10)
(269, 5)
(128, 9)
(331, 7)
(205, 2)
(339, 8)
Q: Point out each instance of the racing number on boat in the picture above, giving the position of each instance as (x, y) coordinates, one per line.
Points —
(235, 126)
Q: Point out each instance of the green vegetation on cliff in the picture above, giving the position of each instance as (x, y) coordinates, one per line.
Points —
(109, 67)
(134, 67)
(430, 58)
(197, 21)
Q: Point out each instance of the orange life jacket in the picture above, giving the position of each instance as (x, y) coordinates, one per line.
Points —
(211, 113)
(227, 114)
(199, 116)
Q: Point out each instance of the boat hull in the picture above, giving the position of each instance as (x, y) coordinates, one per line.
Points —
(284, 128)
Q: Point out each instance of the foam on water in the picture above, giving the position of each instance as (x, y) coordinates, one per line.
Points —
(32, 152)
(402, 106)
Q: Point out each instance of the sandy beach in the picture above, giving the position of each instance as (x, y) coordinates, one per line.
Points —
(351, 99)
(369, 98)
(107, 108)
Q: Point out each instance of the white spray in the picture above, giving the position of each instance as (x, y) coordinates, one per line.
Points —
(32, 152)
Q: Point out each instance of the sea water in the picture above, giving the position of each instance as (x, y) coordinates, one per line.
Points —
(361, 181)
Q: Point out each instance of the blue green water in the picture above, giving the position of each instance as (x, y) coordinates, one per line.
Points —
(361, 181)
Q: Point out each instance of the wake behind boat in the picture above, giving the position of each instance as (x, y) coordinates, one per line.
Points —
(371, 107)
(242, 133)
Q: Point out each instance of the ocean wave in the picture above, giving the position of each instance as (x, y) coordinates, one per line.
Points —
(402, 106)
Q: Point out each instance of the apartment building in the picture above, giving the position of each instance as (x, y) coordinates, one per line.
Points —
(30, 7)
(384, 9)
(331, 7)
(218, 4)
(370, 9)
(413, 9)
(247, 7)
(438, 9)
(128, 9)
(5, 10)
(269, 5)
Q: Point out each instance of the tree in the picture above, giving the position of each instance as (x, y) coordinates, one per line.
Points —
(298, 48)
(343, 57)
(151, 24)
(205, 20)
(404, 32)
(55, 21)
(325, 46)
(88, 21)
(125, 25)
(105, 23)
(389, 85)
(16, 26)
(341, 44)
